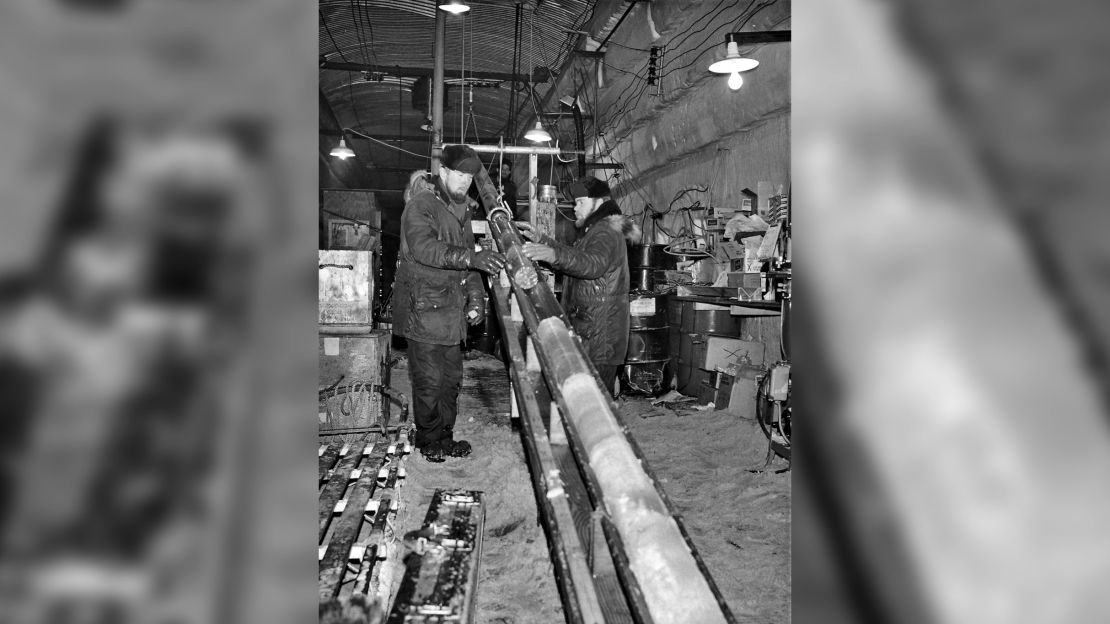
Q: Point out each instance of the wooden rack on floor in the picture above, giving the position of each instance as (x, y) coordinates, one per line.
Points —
(359, 483)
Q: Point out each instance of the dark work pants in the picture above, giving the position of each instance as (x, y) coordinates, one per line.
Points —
(608, 374)
(436, 373)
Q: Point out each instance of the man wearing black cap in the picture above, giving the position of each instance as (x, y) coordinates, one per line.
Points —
(436, 293)
(595, 296)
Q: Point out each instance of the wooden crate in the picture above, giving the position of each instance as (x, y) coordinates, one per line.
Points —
(346, 287)
(354, 362)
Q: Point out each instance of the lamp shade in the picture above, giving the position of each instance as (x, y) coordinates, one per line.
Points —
(342, 152)
(454, 6)
(537, 134)
(732, 62)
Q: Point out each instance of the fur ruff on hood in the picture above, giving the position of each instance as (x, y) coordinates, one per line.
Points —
(627, 226)
(610, 213)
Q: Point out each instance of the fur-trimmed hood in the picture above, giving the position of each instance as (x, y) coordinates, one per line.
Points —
(610, 214)
(627, 226)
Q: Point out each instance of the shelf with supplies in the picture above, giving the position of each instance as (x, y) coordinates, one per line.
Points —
(720, 295)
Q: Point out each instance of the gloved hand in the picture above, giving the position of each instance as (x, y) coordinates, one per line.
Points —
(475, 314)
(487, 260)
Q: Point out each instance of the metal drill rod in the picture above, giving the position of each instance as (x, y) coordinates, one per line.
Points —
(676, 588)
(541, 302)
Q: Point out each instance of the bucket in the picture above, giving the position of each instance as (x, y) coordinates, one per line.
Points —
(547, 193)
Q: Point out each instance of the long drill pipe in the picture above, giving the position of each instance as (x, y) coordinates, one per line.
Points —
(674, 587)
(541, 302)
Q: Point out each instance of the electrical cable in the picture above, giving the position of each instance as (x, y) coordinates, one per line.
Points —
(733, 28)
(370, 138)
(462, 74)
(333, 43)
(510, 121)
(632, 101)
(713, 14)
(350, 80)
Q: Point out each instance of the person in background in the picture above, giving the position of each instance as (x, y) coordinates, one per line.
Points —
(596, 291)
(508, 187)
(437, 291)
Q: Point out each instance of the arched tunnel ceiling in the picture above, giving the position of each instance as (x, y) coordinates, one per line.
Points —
(390, 38)
(373, 51)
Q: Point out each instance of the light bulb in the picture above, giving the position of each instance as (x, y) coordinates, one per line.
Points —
(454, 6)
(735, 81)
(342, 152)
(537, 134)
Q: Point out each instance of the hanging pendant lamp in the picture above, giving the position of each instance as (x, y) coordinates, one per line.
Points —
(537, 134)
(454, 6)
(733, 63)
(342, 152)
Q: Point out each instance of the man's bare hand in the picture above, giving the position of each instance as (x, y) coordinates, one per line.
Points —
(536, 251)
(526, 230)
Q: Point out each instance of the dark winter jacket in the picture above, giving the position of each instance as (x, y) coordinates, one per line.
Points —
(595, 294)
(434, 286)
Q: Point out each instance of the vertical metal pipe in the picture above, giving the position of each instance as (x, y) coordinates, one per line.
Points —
(437, 89)
(580, 136)
(533, 182)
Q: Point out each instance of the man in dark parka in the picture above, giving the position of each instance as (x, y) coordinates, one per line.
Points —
(436, 292)
(596, 290)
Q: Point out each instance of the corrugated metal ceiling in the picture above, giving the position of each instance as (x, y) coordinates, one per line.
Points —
(386, 35)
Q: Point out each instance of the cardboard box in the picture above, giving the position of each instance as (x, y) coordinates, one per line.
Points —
(724, 390)
(721, 351)
(741, 393)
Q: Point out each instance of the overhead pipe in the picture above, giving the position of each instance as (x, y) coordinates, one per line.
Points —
(663, 563)
(539, 75)
(437, 90)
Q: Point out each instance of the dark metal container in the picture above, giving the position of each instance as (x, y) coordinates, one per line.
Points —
(650, 256)
(690, 379)
(647, 344)
(641, 279)
(651, 378)
(647, 311)
(718, 322)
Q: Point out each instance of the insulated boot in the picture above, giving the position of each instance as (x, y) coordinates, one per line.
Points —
(433, 452)
(455, 448)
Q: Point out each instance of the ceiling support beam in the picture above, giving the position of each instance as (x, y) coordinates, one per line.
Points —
(539, 74)
(766, 36)
(395, 138)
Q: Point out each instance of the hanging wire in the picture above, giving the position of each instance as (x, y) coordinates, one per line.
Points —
(400, 114)
(532, 63)
(370, 138)
(462, 83)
